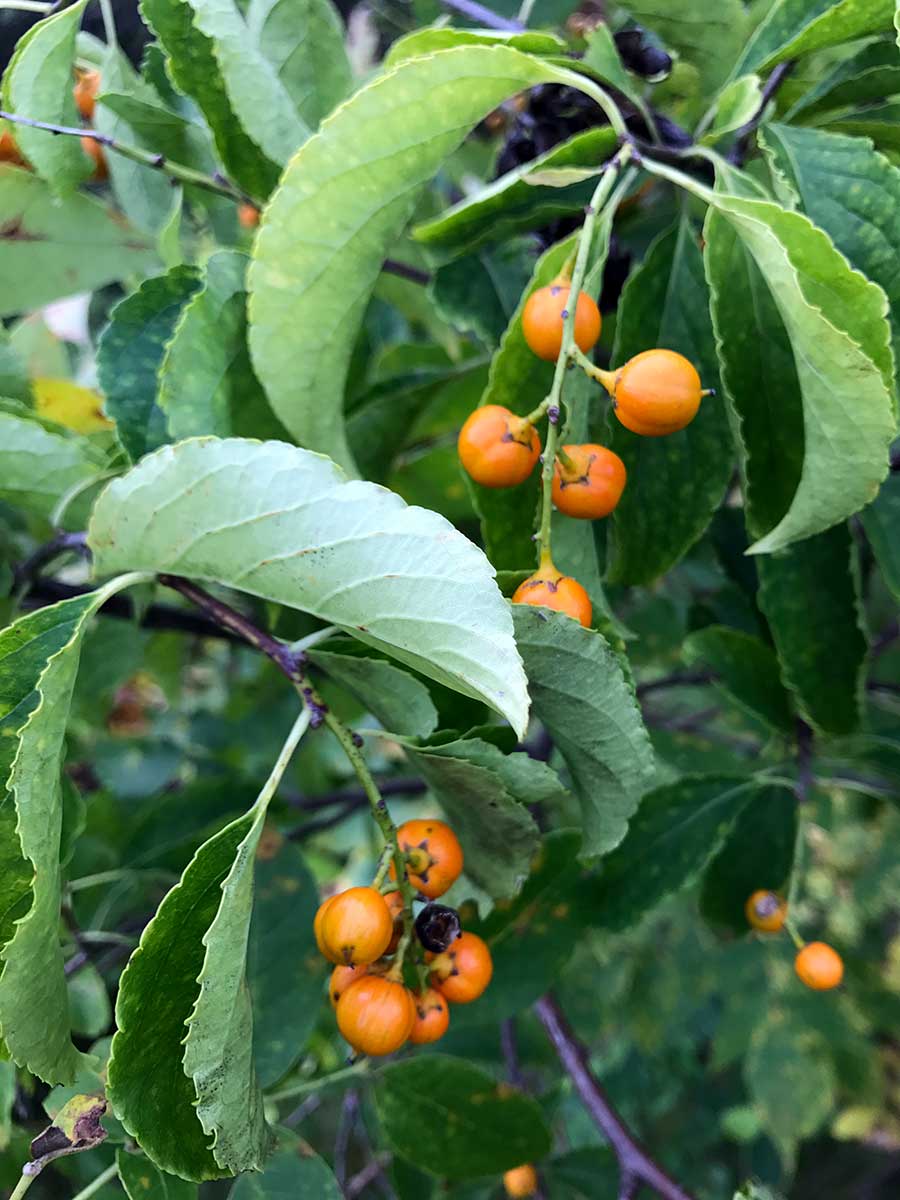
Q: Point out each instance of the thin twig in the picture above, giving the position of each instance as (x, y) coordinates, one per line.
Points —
(320, 824)
(508, 1043)
(406, 271)
(634, 1161)
(805, 743)
(745, 134)
(349, 1111)
(484, 16)
(363, 1178)
(676, 679)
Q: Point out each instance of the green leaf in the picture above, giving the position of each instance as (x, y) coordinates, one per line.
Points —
(512, 205)
(602, 56)
(357, 184)
(881, 521)
(397, 699)
(38, 467)
(793, 28)
(826, 172)
(38, 663)
(709, 37)
(791, 1081)
(285, 972)
(38, 84)
(304, 43)
(483, 793)
(206, 381)
(480, 291)
(869, 75)
(835, 319)
(130, 353)
(260, 100)
(667, 502)
(880, 123)
(580, 692)
(735, 106)
(456, 1121)
(518, 380)
(677, 830)
(90, 1012)
(143, 1180)
(445, 37)
(817, 629)
(292, 1172)
(53, 250)
(746, 670)
(192, 65)
(758, 853)
(400, 579)
(7, 1100)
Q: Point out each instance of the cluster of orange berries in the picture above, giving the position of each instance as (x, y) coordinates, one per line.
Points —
(655, 393)
(87, 84)
(817, 964)
(361, 928)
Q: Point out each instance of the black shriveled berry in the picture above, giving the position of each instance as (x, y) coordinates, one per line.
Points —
(641, 54)
(437, 926)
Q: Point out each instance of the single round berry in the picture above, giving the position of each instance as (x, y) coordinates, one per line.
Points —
(656, 393)
(85, 92)
(432, 1017)
(520, 1182)
(94, 151)
(434, 856)
(766, 911)
(588, 482)
(248, 216)
(376, 1015)
(543, 320)
(819, 966)
(549, 588)
(341, 978)
(356, 927)
(437, 926)
(463, 970)
(497, 448)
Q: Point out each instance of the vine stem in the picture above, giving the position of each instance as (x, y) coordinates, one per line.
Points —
(310, 1086)
(634, 1161)
(569, 351)
(25, 1182)
(32, 6)
(96, 1184)
(158, 162)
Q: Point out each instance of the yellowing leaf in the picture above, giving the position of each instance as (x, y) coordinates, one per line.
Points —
(69, 404)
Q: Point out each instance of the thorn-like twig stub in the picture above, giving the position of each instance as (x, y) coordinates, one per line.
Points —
(357, 739)
(552, 417)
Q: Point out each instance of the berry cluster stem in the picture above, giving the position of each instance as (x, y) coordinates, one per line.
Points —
(569, 352)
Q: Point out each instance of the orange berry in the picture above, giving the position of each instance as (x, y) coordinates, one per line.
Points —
(766, 911)
(590, 484)
(463, 970)
(376, 1015)
(356, 927)
(317, 928)
(435, 856)
(657, 392)
(394, 901)
(9, 149)
(432, 1017)
(85, 91)
(549, 588)
(497, 448)
(542, 320)
(94, 151)
(520, 1182)
(248, 216)
(819, 966)
(341, 978)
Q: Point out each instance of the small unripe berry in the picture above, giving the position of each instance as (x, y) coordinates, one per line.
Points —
(432, 1017)
(819, 966)
(543, 320)
(520, 1182)
(588, 481)
(766, 912)
(496, 448)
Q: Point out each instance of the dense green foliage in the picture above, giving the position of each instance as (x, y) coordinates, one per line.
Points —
(242, 575)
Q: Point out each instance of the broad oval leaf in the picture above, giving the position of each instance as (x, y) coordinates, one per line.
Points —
(667, 502)
(292, 1171)
(445, 37)
(38, 467)
(793, 28)
(356, 184)
(295, 531)
(456, 1121)
(817, 629)
(143, 1180)
(192, 64)
(37, 83)
(580, 692)
(709, 36)
(53, 250)
(131, 350)
(38, 663)
(746, 669)
(867, 76)
(397, 699)
(881, 521)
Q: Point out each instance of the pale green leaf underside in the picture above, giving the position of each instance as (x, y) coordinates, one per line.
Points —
(736, 104)
(38, 84)
(343, 201)
(34, 1007)
(282, 523)
(38, 467)
(445, 37)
